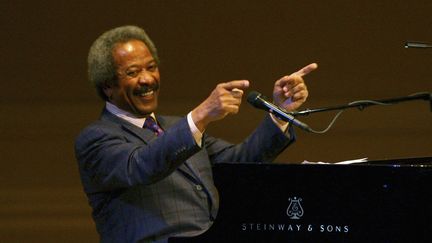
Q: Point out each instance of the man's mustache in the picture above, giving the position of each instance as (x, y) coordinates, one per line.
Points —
(147, 88)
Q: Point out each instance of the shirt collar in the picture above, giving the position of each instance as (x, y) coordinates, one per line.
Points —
(127, 116)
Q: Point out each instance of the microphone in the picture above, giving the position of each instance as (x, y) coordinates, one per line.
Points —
(411, 44)
(259, 101)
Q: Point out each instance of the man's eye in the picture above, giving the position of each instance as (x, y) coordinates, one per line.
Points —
(132, 73)
(152, 67)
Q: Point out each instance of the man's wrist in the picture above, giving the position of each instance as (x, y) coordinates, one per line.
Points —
(199, 119)
(283, 125)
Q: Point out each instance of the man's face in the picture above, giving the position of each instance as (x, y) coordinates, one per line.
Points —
(138, 79)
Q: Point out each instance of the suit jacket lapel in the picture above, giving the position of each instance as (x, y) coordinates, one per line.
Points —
(144, 135)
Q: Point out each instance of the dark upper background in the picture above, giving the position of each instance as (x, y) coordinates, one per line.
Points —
(46, 99)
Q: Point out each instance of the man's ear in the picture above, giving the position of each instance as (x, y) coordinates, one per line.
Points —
(108, 89)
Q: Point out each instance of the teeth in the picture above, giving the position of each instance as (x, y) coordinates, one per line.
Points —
(147, 93)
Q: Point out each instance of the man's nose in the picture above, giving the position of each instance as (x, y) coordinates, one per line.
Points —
(146, 78)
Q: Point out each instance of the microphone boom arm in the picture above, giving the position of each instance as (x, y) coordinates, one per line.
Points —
(366, 103)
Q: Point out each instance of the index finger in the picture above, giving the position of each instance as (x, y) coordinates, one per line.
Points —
(236, 84)
(305, 70)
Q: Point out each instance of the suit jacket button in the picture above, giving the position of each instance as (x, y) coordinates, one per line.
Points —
(198, 187)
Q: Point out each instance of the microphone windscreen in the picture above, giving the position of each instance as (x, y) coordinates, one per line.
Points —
(252, 98)
(257, 100)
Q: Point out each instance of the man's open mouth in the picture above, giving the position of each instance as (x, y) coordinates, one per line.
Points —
(147, 91)
(146, 94)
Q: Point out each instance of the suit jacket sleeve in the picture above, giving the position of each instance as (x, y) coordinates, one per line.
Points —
(109, 159)
(263, 145)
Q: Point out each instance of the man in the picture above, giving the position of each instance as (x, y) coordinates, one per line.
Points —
(145, 182)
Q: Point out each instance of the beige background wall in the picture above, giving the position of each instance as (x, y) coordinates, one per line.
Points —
(45, 99)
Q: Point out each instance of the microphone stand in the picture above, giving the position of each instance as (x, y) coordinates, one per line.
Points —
(416, 44)
(366, 103)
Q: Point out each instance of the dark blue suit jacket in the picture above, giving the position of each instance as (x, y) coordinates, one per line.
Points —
(144, 188)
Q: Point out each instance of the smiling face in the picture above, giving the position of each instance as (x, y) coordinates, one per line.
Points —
(138, 76)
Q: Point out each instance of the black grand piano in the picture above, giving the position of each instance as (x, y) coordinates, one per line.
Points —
(377, 201)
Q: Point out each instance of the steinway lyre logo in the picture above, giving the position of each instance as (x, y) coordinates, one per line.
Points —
(295, 210)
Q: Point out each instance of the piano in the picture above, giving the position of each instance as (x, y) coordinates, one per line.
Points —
(376, 201)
